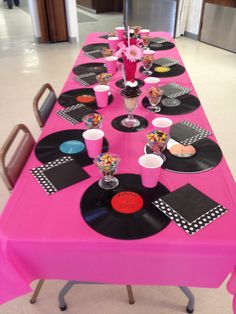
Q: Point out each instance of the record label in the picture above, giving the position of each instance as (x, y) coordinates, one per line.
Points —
(127, 202)
(127, 212)
(72, 147)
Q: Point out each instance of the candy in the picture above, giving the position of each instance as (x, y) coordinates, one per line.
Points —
(157, 140)
(103, 78)
(106, 161)
(154, 95)
(93, 120)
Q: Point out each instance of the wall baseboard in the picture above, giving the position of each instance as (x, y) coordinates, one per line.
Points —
(191, 35)
(72, 40)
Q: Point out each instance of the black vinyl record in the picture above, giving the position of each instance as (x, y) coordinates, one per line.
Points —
(65, 143)
(208, 155)
(94, 67)
(69, 98)
(188, 103)
(116, 123)
(121, 84)
(175, 70)
(92, 47)
(163, 46)
(126, 212)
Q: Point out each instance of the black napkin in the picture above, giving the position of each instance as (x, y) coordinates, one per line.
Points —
(59, 174)
(187, 133)
(75, 113)
(166, 62)
(173, 90)
(86, 79)
(189, 208)
(94, 54)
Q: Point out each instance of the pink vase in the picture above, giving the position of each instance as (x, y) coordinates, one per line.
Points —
(130, 69)
(133, 41)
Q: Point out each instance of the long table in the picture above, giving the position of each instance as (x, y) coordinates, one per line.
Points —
(46, 237)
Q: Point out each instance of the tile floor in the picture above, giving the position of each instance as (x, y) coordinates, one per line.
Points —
(24, 67)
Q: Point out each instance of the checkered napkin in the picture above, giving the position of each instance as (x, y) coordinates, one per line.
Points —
(166, 62)
(189, 208)
(94, 54)
(75, 113)
(59, 174)
(86, 79)
(173, 90)
(187, 133)
(159, 40)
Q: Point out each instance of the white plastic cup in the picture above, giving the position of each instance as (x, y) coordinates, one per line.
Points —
(93, 140)
(120, 31)
(151, 81)
(163, 124)
(150, 169)
(101, 93)
(144, 32)
(113, 43)
(111, 64)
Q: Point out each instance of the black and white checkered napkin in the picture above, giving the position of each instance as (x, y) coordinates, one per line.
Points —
(75, 113)
(59, 174)
(173, 90)
(166, 62)
(94, 54)
(159, 40)
(86, 79)
(187, 133)
(190, 208)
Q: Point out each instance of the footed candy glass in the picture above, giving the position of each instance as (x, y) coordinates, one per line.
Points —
(107, 164)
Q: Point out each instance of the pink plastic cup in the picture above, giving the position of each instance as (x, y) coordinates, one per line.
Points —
(151, 81)
(162, 124)
(111, 64)
(93, 140)
(113, 42)
(120, 31)
(144, 32)
(150, 169)
(101, 93)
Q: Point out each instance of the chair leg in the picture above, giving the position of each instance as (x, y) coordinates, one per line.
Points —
(191, 299)
(130, 294)
(63, 292)
(36, 291)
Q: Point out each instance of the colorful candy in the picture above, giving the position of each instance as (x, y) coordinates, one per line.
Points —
(93, 120)
(157, 140)
(154, 95)
(107, 162)
(104, 78)
(107, 52)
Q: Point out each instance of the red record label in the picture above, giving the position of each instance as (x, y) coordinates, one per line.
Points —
(127, 202)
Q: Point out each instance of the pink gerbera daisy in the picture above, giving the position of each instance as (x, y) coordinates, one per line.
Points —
(133, 53)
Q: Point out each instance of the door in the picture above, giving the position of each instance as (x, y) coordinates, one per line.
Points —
(218, 25)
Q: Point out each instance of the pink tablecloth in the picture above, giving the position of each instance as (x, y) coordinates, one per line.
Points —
(45, 236)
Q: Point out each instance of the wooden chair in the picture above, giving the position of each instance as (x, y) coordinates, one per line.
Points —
(11, 170)
(42, 113)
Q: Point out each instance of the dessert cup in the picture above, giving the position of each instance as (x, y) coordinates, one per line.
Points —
(157, 141)
(154, 96)
(131, 104)
(148, 57)
(107, 164)
(93, 120)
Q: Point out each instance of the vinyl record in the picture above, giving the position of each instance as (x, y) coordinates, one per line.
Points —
(120, 83)
(116, 123)
(163, 46)
(92, 47)
(65, 143)
(84, 96)
(188, 103)
(126, 212)
(174, 70)
(95, 67)
(208, 155)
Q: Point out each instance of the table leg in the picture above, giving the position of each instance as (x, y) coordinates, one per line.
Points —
(191, 300)
(231, 287)
(63, 292)
(36, 291)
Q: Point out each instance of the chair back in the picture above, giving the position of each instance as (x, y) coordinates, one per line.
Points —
(10, 170)
(44, 111)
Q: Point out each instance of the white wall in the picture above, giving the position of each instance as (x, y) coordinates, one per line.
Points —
(194, 14)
